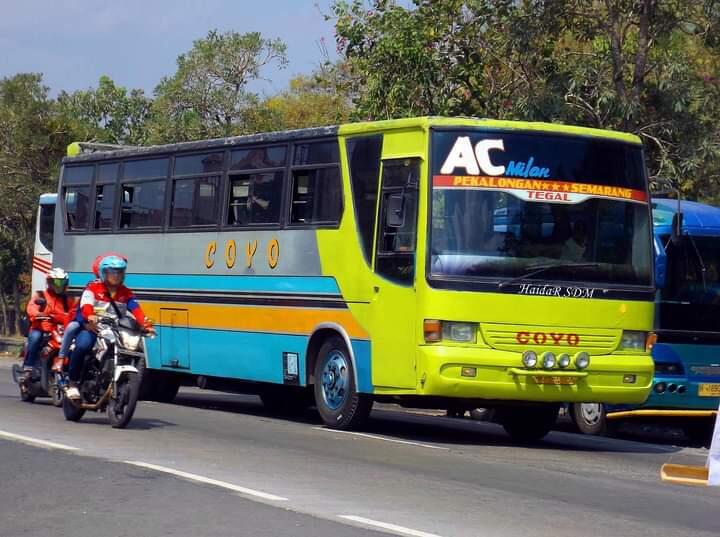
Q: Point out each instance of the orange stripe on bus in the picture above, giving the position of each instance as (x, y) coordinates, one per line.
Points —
(300, 321)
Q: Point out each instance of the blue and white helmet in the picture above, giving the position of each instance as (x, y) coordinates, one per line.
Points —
(111, 262)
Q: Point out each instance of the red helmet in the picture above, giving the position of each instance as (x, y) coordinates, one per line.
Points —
(96, 263)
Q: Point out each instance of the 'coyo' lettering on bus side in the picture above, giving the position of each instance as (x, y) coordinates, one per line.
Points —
(231, 249)
(542, 338)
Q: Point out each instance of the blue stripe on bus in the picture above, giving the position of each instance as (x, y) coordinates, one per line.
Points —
(247, 356)
(203, 282)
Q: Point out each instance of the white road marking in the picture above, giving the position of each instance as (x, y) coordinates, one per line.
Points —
(36, 441)
(400, 530)
(384, 438)
(209, 481)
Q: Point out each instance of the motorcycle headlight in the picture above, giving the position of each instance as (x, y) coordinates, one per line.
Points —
(130, 341)
(108, 335)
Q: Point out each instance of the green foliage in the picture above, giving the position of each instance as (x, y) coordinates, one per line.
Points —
(313, 100)
(208, 97)
(108, 113)
(32, 139)
(645, 66)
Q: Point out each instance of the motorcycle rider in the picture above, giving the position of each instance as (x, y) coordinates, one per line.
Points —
(74, 326)
(109, 295)
(53, 303)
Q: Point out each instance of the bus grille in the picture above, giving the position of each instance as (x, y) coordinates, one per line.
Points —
(522, 337)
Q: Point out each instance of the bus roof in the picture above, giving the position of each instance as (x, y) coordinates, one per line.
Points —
(48, 199)
(350, 129)
(698, 218)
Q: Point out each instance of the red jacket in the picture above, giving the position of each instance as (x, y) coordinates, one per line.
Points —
(96, 296)
(59, 308)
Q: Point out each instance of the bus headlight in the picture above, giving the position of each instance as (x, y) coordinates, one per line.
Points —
(582, 360)
(548, 360)
(564, 360)
(529, 359)
(459, 332)
(633, 341)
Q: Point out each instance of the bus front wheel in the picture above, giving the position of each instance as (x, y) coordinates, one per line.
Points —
(336, 397)
(528, 424)
(589, 418)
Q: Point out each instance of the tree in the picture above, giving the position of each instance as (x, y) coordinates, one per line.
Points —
(644, 66)
(33, 139)
(313, 100)
(108, 113)
(208, 96)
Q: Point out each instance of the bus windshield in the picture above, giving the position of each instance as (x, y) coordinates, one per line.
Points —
(691, 298)
(517, 205)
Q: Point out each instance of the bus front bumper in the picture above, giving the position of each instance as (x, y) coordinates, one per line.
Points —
(485, 373)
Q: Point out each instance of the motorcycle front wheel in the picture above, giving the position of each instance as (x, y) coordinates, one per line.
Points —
(56, 392)
(121, 407)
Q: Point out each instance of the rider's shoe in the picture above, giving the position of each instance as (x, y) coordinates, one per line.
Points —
(27, 374)
(72, 392)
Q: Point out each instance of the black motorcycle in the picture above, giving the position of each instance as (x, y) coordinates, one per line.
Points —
(43, 381)
(110, 377)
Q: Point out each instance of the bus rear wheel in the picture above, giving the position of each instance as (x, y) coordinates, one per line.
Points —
(528, 424)
(336, 397)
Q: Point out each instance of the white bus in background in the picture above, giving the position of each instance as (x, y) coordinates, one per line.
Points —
(43, 251)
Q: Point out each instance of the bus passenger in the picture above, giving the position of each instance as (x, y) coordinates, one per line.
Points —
(575, 247)
(107, 294)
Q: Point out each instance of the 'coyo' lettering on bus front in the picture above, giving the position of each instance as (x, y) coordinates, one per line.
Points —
(547, 338)
(230, 253)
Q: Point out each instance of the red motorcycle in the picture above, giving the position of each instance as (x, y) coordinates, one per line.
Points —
(43, 381)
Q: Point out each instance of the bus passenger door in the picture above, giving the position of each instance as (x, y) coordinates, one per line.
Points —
(174, 338)
(394, 296)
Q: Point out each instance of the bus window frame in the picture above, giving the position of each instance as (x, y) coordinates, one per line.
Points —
(222, 175)
(289, 180)
(104, 182)
(64, 185)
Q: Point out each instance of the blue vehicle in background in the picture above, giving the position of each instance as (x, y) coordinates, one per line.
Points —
(686, 390)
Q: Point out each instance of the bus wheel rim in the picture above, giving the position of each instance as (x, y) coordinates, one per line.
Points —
(590, 412)
(335, 380)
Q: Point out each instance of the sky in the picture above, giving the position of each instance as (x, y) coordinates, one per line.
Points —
(136, 42)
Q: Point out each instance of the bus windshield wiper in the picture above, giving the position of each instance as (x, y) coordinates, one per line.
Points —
(537, 269)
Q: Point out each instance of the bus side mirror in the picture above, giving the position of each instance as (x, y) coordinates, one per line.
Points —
(677, 223)
(660, 264)
(395, 214)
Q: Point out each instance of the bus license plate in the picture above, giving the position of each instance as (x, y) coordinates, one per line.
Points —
(709, 390)
(554, 380)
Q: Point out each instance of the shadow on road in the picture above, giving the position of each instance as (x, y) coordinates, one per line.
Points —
(401, 424)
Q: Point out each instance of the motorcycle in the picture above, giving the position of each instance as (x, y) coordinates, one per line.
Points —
(43, 382)
(110, 378)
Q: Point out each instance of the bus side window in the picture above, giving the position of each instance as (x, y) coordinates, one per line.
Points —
(255, 198)
(47, 225)
(364, 161)
(397, 230)
(316, 196)
(77, 207)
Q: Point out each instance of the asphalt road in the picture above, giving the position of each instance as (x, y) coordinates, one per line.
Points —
(409, 474)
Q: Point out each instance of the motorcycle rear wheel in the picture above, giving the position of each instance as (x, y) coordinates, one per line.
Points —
(26, 394)
(121, 408)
